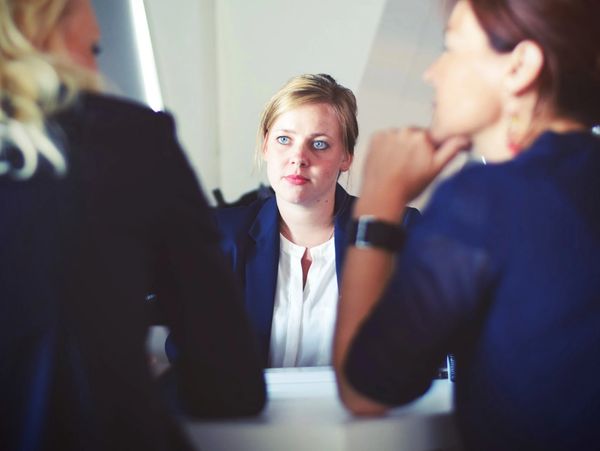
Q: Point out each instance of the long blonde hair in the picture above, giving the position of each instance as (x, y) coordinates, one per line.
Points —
(34, 84)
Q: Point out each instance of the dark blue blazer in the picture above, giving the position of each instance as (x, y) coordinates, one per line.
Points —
(250, 240)
(503, 271)
(78, 255)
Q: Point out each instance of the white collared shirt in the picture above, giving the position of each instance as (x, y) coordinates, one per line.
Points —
(304, 319)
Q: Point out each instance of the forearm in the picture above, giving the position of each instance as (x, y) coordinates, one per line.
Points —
(366, 273)
(221, 370)
(400, 164)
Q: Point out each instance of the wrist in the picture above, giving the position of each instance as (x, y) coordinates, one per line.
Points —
(369, 232)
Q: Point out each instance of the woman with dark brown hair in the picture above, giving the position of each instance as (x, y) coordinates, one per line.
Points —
(504, 268)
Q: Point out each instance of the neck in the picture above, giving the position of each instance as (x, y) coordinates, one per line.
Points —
(306, 226)
(564, 125)
(493, 144)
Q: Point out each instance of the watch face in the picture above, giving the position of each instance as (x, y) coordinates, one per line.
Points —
(367, 231)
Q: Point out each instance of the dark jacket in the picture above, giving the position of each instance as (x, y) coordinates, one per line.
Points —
(250, 240)
(503, 270)
(78, 256)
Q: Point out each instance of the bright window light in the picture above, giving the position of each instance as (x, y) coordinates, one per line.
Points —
(146, 55)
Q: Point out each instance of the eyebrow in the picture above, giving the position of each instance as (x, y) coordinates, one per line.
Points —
(312, 135)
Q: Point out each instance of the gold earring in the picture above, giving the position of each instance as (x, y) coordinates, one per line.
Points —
(514, 135)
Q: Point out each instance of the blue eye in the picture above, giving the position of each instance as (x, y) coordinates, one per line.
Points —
(320, 145)
(283, 140)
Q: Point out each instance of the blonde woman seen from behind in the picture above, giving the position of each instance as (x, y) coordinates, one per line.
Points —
(99, 207)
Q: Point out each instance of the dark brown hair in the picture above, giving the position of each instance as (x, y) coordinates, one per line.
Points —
(568, 31)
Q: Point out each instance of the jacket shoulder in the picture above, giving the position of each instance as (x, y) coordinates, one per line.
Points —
(411, 217)
(235, 221)
(100, 111)
(109, 104)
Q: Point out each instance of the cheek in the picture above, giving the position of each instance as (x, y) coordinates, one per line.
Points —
(331, 170)
(80, 33)
(484, 101)
(82, 54)
(469, 99)
(273, 166)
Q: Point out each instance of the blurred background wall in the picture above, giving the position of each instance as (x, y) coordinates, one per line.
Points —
(217, 62)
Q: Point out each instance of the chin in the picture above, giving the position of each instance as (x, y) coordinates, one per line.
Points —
(438, 134)
(293, 196)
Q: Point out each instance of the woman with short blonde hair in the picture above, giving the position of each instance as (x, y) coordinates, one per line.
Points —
(288, 250)
(306, 89)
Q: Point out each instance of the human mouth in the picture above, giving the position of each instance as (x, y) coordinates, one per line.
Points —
(296, 179)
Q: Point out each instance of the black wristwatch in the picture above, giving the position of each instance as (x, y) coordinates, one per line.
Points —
(367, 231)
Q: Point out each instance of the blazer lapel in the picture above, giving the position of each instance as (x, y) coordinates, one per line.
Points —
(343, 214)
(261, 272)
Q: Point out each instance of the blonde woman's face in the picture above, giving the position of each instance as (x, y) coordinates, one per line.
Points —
(77, 34)
(304, 153)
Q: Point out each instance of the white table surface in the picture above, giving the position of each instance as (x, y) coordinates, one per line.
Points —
(304, 413)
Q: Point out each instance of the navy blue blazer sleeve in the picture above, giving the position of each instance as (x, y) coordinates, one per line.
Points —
(431, 295)
(200, 299)
(502, 271)
(83, 251)
(151, 222)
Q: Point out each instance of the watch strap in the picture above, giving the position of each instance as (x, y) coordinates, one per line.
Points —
(367, 231)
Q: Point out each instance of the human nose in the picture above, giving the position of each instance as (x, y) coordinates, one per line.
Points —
(429, 73)
(299, 155)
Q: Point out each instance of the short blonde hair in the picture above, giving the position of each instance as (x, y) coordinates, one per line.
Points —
(309, 89)
(34, 84)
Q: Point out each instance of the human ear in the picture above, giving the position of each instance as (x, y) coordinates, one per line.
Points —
(525, 65)
(346, 162)
(264, 146)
